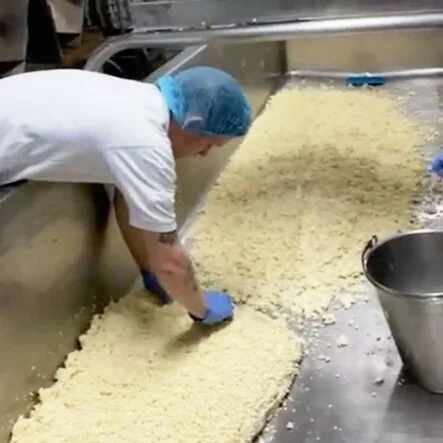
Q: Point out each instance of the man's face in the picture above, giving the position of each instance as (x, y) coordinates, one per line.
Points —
(185, 144)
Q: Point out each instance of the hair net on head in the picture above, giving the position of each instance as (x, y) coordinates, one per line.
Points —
(207, 101)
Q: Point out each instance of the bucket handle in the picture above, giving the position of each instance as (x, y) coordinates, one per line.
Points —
(366, 250)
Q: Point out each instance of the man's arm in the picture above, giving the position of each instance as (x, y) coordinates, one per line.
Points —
(162, 254)
(145, 208)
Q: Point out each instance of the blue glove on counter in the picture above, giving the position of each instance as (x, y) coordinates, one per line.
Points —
(436, 165)
(152, 285)
(219, 308)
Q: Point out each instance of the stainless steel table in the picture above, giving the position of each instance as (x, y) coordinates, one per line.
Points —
(360, 395)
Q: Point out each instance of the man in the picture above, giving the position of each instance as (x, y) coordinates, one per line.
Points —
(79, 126)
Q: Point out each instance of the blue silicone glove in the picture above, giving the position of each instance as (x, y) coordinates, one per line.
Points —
(152, 285)
(219, 308)
(436, 165)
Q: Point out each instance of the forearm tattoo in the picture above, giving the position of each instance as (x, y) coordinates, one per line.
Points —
(168, 238)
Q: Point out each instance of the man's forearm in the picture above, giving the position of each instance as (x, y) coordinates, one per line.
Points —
(176, 275)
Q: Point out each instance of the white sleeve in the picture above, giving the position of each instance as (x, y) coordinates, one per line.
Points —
(145, 175)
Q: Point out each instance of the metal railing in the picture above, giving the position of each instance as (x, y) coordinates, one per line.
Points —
(267, 32)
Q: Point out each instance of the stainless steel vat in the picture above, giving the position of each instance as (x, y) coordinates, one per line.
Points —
(406, 271)
(62, 257)
(61, 254)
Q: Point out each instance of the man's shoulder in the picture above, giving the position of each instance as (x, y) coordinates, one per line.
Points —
(135, 152)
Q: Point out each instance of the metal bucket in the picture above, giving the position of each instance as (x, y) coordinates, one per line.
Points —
(407, 272)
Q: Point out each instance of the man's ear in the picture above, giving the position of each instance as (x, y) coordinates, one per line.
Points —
(193, 122)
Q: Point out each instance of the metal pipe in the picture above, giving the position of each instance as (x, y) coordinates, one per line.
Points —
(389, 75)
(264, 32)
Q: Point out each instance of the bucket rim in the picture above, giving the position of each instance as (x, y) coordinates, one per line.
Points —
(374, 244)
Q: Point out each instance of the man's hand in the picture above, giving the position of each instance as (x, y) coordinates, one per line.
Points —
(219, 308)
(152, 285)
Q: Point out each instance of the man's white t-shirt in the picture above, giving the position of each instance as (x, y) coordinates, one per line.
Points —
(80, 126)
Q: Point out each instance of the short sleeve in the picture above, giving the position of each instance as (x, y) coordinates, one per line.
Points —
(146, 177)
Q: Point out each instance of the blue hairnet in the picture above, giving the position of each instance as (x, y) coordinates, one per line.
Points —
(207, 101)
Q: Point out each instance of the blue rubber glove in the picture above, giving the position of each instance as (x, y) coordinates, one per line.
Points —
(436, 165)
(152, 285)
(219, 308)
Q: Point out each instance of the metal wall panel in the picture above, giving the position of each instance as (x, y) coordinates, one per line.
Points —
(361, 52)
(185, 13)
(68, 15)
(13, 30)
